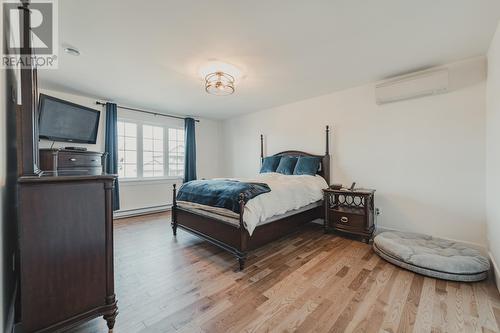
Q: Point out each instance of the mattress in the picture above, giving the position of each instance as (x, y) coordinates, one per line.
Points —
(288, 193)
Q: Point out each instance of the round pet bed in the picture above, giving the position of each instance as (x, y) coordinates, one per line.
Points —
(430, 256)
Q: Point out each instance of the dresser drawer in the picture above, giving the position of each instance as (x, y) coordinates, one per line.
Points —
(347, 220)
(63, 160)
(85, 170)
(71, 160)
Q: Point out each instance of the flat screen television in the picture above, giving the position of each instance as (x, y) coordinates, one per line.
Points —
(61, 120)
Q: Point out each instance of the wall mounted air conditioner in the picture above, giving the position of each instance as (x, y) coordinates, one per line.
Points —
(413, 85)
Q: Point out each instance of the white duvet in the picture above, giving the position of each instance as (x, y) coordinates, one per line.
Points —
(287, 193)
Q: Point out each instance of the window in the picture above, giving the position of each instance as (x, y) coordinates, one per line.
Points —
(148, 150)
(152, 151)
(127, 149)
(175, 152)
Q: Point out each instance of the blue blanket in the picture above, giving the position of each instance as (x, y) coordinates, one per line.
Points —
(222, 193)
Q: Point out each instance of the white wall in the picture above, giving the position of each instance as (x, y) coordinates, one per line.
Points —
(425, 157)
(137, 195)
(493, 152)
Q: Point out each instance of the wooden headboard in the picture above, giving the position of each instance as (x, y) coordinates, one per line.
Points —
(324, 167)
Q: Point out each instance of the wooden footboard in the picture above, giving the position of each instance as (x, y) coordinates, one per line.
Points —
(223, 234)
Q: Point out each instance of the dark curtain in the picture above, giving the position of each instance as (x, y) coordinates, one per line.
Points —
(190, 150)
(111, 147)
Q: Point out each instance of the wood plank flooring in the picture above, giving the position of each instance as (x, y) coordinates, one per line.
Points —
(308, 282)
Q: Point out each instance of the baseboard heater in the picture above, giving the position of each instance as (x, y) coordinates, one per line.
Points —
(141, 211)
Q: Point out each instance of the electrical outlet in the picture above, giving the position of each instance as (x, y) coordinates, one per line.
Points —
(377, 211)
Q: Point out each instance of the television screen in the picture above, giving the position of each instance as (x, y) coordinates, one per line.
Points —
(60, 120)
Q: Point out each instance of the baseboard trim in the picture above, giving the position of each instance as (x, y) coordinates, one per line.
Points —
(120, 214)
(481, 248)
(496, 270)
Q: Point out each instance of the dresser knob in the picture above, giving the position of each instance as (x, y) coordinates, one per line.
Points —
(344, 219)
(72, 159)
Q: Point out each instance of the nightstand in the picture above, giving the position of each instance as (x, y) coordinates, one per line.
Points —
(350, 211)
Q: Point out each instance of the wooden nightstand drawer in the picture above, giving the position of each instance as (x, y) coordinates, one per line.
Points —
(347, 220)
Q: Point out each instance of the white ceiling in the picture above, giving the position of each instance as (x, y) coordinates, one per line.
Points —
(147, 53)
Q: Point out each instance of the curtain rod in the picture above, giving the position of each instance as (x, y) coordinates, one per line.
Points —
(144, 111)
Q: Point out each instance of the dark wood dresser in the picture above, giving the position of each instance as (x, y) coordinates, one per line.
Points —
(89, 162)
(66, 250)
(350, 211)
(62, 241)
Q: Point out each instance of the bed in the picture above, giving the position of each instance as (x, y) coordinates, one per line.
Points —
(240, 233)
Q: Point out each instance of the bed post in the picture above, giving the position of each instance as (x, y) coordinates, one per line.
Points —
(327, 143)
(326, 158)
(174, 211)
(261, 149)
(243, 234)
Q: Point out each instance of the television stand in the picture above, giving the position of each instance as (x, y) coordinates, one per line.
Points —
(64, 160)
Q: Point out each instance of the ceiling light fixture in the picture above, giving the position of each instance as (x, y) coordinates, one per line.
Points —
(72, 51)
(220, 77)
(219, 84)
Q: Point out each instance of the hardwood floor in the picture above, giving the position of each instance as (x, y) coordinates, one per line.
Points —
(308, 282)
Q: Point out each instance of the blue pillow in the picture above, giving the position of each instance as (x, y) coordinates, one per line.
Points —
(270, 164)
(307, 166)
(287, 165)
